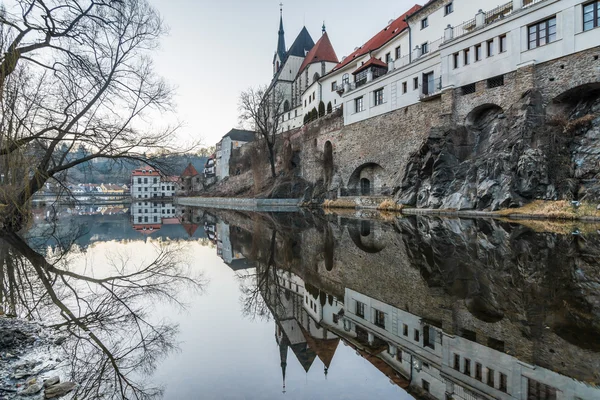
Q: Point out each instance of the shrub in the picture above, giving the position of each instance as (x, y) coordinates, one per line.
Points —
(321, 109)
(329, 108)
(314, 114)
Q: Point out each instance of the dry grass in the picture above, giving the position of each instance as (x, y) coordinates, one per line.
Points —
(390, 205)
(571, 126)
(339, 203)
(561, 209)
(560, 227)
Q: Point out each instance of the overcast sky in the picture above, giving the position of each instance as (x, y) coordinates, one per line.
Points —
(216, 49)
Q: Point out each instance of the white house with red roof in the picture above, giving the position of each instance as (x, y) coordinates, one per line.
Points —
(149, 183)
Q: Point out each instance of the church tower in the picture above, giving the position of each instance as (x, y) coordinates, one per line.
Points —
(279, 57)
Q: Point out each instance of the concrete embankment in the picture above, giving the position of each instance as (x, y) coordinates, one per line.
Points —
(231, 203)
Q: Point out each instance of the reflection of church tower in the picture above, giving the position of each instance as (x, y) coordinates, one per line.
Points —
(284, 343)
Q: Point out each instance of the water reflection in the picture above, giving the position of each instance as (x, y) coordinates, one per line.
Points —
(103, 309)
(442, 308)
(460, 309)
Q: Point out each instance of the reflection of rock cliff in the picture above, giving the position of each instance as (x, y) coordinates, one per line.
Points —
(502, 158)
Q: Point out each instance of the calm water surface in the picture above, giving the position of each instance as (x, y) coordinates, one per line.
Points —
(221, 304)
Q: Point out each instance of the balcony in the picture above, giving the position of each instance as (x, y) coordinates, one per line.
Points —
(430, 89)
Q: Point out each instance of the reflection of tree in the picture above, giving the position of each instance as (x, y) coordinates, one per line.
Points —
(112, 341)
(260, 293)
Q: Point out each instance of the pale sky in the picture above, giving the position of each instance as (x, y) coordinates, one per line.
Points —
(216, 49)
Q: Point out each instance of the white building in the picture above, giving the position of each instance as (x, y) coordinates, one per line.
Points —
(234, 139)
(455, 44)
(149, 183)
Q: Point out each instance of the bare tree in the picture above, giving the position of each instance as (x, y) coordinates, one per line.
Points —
(261, 108)
(73, 73)
(112, 344)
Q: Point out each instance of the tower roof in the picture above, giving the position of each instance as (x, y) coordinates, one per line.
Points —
(281, 37)
(322, 51)
(302, 45)
(190, 171)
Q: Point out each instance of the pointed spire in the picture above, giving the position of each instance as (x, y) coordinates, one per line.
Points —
(283, 347)
(281, 38)
(324, 30)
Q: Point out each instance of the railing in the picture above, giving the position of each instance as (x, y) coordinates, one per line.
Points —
(431, 47)
(527, 3)
(463, 29)
(498, 13)
(430, 88)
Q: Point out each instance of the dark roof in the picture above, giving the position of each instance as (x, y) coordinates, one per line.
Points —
(372, 61)
(281, 40)
(302, 45)
(381, 38)
(241, 264)
(322, 51)
(240, 135)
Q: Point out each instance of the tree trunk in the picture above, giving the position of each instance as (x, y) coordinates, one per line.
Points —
(14, 215)
(272, 158)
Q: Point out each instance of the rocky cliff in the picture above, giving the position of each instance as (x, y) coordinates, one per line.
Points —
(506, 158)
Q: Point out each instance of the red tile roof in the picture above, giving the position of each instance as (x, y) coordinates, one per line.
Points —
(190, 229)
(372, 61)
(322, 51)
(190, 171)
(145, 172)
(381, 38)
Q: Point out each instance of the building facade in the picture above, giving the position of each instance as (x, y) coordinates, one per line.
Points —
(149, 183)
(234, 139)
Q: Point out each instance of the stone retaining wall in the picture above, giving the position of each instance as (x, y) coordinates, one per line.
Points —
(229, 203)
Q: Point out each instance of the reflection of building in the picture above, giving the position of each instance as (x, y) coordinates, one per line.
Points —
(148, 216)
(225, 249)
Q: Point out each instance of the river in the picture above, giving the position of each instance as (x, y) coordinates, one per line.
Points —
(209, 304)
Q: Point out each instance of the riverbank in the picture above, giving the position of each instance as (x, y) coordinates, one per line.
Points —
(30, 364)
(561, 210)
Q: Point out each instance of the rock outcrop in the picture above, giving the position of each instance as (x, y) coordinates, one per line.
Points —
(506, 158)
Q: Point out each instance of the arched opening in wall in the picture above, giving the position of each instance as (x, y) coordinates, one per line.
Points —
(482, 123)
(575, 102)
(316, 77)
(366, 180)
(328, 162)
(365, 237)
(286, 106)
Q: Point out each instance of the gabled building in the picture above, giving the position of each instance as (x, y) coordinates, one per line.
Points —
(234, 139)
(190, 180)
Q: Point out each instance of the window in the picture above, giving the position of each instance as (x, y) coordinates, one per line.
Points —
(145, 219)
(388, 57)
(145, 180)
(490, 48)
(448, 8)
(379, 318)
(155, 180)
(378, 97)
(334, 86)
(539, 391)
(404, 87)
(467, 58)
(495, 344)
(478, 52)
(417, 335)
(424, 23)
(399, 355)
(478, 371)
(139, 180)
(429, 335)
(360, 309)
(455, 58)
(345, 79)
(424, 48)
(467, 370)
(415, 83)
(490, 377)
(425, 385)
(542, 33)
(145, 189)
(155, 218)
(503, 382)
(405, 329)
(457, 362)
(139, 219)
(503, 43)
(591, 15)
(358, 104)
(398, 52)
